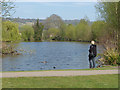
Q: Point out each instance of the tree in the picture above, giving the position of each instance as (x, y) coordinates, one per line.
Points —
(83, 31)
(62, 31)
(98, 30)
(70, 32)
(8, 8)
(53, 32)
(27, 33)
(10, 31)
(38, 29)
(53, 21)
(109, 11)
(45, 35)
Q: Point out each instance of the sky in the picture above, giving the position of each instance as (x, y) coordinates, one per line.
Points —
(66, 10)
(65, 0)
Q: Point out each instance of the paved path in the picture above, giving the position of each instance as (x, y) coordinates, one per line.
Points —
(57, 73)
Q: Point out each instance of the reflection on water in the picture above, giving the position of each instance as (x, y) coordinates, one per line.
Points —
(48, 56)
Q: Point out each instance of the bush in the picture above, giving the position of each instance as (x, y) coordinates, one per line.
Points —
(8, 48)
(111, 57)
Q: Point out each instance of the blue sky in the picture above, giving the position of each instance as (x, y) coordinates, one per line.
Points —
(66, 10)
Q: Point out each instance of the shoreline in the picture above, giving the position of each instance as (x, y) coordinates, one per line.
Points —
(105, 67)
(49, 41)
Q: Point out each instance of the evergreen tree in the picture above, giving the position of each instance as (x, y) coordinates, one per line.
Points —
(38, 29)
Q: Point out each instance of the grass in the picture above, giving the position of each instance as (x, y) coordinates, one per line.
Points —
(92, 81)
(100, 68)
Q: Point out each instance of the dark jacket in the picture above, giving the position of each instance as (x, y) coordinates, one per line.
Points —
(92, 51)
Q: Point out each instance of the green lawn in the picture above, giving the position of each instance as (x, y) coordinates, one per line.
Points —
(92, 81)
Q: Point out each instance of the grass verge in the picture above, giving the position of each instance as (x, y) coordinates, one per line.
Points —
(92, 81)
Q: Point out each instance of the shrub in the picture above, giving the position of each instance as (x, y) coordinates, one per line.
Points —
(111, 57)
(8, 48)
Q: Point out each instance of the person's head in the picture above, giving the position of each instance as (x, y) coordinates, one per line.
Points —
(93, 42)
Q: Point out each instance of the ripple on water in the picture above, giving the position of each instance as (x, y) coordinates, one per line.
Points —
(62, 55)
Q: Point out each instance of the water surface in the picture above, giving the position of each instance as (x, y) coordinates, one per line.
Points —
(61, 55)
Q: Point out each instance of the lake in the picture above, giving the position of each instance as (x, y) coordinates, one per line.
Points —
(61, 55)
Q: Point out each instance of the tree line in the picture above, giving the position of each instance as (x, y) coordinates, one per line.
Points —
(54, 29)
(83, 31)
(12, 32)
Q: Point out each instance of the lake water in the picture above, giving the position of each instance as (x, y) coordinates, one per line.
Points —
(61, 55)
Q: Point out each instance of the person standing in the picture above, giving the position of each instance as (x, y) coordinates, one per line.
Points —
(92, 54)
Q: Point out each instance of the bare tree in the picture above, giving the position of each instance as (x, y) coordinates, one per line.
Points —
(8, 8)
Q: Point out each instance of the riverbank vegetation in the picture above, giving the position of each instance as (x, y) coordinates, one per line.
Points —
(110, 13)
(10, 33)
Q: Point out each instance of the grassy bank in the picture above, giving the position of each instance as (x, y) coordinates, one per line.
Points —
(92, 81)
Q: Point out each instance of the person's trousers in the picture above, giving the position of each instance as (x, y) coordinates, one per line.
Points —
(92, 62)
